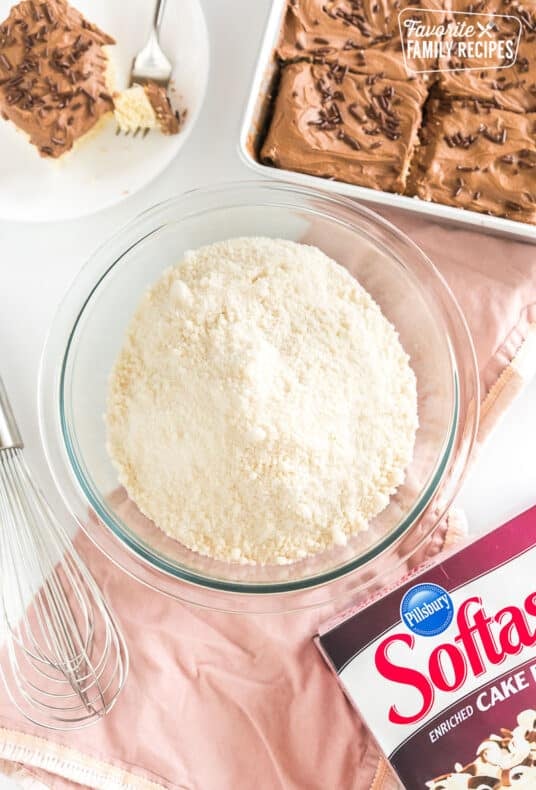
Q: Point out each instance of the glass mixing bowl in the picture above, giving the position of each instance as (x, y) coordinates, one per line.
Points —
(87, 334)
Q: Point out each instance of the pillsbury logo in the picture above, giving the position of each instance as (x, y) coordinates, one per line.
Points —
(427, 609)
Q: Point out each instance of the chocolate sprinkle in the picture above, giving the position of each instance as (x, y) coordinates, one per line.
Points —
(4, 60)
(47, 13)
(328, 118)
(352, 109)
(499, 138)
(458, 140)
(350, 141)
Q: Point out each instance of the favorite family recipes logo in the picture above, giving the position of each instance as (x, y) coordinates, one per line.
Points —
(463, 41)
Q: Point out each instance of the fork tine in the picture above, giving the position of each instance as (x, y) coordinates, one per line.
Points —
(144, 130)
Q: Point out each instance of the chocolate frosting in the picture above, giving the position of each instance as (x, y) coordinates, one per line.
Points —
(473, 159)
(343, 86)
(363, 34)
(52, 74)
(168, 119)
(512, 88)
(330, 122)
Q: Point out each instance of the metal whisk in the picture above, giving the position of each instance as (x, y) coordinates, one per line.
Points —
(66, 659)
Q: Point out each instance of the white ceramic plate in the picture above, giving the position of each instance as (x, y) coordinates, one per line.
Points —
(106, 168)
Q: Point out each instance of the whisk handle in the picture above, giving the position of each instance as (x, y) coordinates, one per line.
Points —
(9, 433)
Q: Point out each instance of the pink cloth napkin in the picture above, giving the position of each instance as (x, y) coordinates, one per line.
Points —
(233, 702)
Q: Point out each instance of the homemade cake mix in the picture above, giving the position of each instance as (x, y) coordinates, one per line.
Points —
(344, 105)
(262, 408)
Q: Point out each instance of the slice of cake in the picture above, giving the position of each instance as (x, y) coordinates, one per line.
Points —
(476, 160)
(505, 87)
(168, 119)
(364, 35)
(145, 107)
(356, 128)
(53, 70)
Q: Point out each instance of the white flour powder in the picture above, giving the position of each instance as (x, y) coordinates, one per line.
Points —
(262, 407)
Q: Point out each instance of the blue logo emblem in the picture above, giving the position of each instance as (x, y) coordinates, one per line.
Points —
(427, 609)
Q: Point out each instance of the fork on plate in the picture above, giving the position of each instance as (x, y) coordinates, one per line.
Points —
(151, 64)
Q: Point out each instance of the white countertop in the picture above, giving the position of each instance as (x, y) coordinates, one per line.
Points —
(37, 263)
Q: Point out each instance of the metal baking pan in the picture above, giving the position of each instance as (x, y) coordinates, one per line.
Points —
(255, 122)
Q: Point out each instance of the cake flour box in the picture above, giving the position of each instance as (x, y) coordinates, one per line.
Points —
(443, 669)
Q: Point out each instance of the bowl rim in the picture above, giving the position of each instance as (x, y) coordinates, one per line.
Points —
(58, 446)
